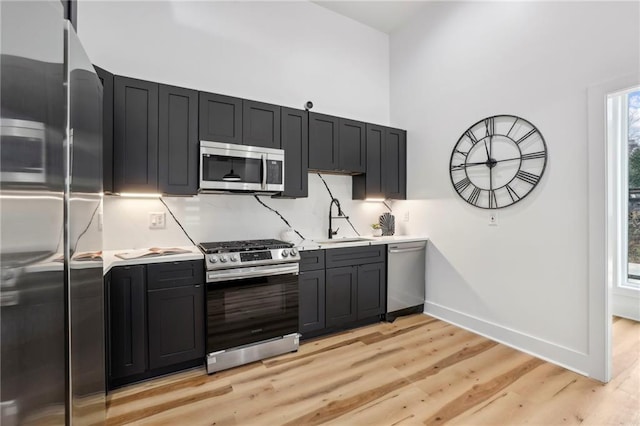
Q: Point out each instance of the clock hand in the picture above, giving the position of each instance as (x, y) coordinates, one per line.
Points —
(481, 163)
(487, 149)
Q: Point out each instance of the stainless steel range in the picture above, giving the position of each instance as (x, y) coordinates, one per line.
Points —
(252, 301)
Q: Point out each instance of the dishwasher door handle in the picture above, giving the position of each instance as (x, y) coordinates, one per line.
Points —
(407, 250)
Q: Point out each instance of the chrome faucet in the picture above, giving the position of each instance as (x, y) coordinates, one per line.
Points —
(331, 216)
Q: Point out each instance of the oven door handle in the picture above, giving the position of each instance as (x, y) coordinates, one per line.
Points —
(264, 171)
(251, 272)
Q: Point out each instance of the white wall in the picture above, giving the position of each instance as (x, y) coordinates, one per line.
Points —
(214, 217)
(524, 282)
(284, 53)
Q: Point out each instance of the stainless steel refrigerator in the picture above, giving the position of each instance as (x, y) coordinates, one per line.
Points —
(51, 286)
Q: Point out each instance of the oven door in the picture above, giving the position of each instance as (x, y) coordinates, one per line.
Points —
(242, 311)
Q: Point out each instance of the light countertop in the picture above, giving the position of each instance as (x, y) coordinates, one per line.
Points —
(110, 259)
(365, 241)
(193, 253)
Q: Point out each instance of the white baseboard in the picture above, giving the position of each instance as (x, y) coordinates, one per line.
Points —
(556, 354)
(625, 306)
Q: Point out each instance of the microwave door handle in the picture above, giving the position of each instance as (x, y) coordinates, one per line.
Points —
(264, 171)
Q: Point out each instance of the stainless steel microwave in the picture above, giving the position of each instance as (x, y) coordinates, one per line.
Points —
(240, 168)
(22, 152)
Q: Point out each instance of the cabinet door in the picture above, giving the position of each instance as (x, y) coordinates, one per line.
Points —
(176, 325)
(323, 142)
(220, 118)
(394, 170)
(260, 124)
(372, 290)
(312, 296)
(178, 141)
(369, 185)
(341, 285)
(353, 148)
(135, 156)
(127, 321)
(295, 142)
(106, 78)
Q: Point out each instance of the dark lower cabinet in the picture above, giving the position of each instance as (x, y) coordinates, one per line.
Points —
(178, 143)
(135, 133)
(260, 124)
(156, 320)
(295, 143)
(355, 285)
(341, 302)
(220, 118)
(372, 290)
(127, 321)
(176, 325)
(311, 287)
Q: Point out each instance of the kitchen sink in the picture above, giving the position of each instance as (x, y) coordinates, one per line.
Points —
(343, 240)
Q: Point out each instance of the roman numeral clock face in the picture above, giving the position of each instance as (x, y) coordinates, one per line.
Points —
(498, 161)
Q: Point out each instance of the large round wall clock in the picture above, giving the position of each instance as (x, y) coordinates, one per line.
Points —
(498, 161)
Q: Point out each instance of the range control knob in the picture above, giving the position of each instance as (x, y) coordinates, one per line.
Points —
(223, 259)
(213, 259)
(285, 253)
(294, 251)
(234, 258)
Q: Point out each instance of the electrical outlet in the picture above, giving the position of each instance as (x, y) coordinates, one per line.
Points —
(157, 220)
(405, 218)
(493, 219)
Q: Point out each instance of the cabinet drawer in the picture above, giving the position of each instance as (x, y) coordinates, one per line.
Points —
(311, 260)
(175, 274)
(355, 256)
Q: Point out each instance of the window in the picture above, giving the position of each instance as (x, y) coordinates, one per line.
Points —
(630, 127)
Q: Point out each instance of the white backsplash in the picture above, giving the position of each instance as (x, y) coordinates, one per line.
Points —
(220, 217)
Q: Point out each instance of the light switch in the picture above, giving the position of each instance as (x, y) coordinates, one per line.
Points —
(157, 220)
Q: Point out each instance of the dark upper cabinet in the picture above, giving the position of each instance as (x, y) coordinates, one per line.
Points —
(127, 321)
(260, 124)
(220, 118)
(353, 149)
(106, 78)
(341, 295)
(311, 287)
(372, 290)
(178, 143)
(324, 145)
(295, 143)
(370, 185)
(386, 173)
(135, 156)
(394, 164)
(336, 144)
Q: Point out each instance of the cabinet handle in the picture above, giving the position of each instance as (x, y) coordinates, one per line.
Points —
(396, 250)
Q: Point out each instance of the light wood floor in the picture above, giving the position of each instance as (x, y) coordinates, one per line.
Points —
(418, 370)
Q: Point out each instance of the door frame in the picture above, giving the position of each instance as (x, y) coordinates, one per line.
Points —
(603, 249)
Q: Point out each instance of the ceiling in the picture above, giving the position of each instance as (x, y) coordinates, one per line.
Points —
(385, 16)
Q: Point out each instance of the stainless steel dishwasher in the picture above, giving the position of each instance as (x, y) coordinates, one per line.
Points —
(405, 278)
